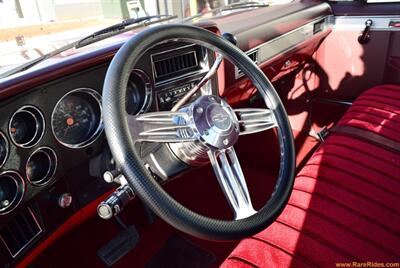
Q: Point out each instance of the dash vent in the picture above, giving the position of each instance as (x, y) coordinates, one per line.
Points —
(253, 55)
(20, 232)
(176, 64)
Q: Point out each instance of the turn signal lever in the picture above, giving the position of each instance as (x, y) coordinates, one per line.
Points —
(115, 203)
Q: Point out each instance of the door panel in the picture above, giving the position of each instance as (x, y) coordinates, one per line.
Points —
(352, 67)
(392, 71)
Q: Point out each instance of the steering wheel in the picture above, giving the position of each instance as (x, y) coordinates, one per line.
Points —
(209, 123)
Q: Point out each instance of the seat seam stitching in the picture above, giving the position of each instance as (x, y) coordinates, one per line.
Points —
(293, 254)
(367, 121)
(242, 259)
(331, 143)
(374, 107)
(348, 208)
(320, 241)
(365, 98)
(360, 164)
(360, 195)
(328, 220)
(351, 174)
(352, 111)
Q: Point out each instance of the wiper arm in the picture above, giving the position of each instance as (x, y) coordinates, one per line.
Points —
(90, 39)
(244, 5)
(233, 6)
(118, 28)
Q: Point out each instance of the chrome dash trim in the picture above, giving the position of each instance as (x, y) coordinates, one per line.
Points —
(380, 23)
(285, 42)
(149, 88)
(7, 145)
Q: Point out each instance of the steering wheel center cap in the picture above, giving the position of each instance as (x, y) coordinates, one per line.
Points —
(215, 122)
(218, 117)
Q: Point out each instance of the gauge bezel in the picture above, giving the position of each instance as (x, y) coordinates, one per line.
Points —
(97, 97)
(15, 176)
(7, 144)
(148, 89)
(40, 123)
(51, 170)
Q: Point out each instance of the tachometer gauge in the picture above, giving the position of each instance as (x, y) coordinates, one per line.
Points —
(77, 120)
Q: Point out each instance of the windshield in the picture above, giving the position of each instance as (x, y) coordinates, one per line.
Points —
(30, 29)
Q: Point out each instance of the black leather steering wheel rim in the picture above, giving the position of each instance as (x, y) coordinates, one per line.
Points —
(138, 177)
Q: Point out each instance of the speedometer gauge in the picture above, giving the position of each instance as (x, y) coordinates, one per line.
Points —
(77, 120)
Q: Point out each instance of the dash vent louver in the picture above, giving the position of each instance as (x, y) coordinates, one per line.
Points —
(20, 232)
(176, 64)
(253, 55)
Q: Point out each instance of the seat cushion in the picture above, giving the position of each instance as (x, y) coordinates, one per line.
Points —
(345, 204)
(376, 110)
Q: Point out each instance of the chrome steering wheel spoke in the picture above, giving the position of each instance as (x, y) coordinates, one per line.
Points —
(253, 120)
(163, 127)
(231, 179)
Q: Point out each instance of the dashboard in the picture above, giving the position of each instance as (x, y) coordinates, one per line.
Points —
(48, 133)
(53, 150)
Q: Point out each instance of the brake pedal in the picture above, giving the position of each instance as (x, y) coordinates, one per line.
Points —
(119, 246)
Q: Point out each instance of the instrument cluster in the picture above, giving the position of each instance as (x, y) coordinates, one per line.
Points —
(57, 126)
(74, 123)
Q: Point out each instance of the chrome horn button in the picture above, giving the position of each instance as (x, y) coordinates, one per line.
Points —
(215, 122)
(217, 116)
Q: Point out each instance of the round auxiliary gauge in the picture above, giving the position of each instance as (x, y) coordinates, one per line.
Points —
(41, 166)
(3, 149)
(77, 118)
(26, 126)
(138, 93)
(12, 190)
